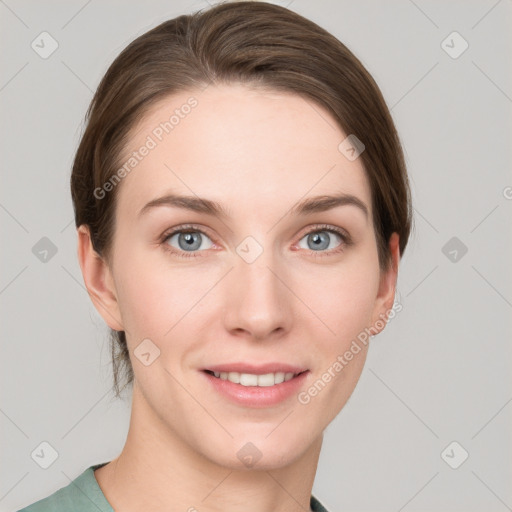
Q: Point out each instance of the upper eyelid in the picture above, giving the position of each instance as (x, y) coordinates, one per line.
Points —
(186, 227)
(310, 229)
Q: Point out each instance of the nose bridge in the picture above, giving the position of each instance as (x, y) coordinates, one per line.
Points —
(258, 301)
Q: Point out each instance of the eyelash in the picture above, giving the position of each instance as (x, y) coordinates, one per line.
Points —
(190, 228)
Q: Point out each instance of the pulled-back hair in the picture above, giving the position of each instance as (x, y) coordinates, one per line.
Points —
(254, 43)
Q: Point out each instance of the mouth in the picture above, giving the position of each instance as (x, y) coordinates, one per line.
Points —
(255, 379)
(254, 386)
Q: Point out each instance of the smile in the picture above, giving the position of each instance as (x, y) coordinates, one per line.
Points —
(266, 387)
(251, 379)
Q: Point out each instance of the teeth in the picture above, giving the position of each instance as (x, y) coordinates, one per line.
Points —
(249, 379)
(246, 379)
(234, 377)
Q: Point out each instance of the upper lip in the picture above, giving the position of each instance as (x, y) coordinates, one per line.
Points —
(256, 369)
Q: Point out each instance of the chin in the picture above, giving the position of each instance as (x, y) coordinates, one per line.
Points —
(260, 452)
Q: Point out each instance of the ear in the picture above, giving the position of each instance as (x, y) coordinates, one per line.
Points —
(98, 280)
(387, 287)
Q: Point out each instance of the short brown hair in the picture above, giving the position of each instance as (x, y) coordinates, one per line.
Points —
(238, 42)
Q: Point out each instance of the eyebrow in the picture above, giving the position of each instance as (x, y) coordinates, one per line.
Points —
(306, 207)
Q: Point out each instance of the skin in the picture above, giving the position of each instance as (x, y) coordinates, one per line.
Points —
(266, 150)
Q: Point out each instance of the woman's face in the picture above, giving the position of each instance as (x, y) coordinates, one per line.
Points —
(264, 283)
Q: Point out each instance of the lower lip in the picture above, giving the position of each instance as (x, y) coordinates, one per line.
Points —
(257, 396)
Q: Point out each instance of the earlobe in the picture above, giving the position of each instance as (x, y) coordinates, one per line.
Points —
(98, 280)
(387, 287)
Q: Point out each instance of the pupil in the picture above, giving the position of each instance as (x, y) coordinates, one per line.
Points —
(191, 241)
(320, 240)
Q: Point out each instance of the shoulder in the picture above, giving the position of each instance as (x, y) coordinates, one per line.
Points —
(59, 501)
(81, 495)
(316, 506)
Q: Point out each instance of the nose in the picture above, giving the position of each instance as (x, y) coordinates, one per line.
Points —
(258, 299)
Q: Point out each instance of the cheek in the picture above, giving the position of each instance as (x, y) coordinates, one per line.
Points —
(154, 294)
(144, 297)
(343, 299)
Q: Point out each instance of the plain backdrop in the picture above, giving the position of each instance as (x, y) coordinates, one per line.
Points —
(437, 384)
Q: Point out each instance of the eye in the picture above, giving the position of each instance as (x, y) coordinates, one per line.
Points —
(189, 241)
(323, 238)
(185, 240)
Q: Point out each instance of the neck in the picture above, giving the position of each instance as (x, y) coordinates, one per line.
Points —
(158, 469)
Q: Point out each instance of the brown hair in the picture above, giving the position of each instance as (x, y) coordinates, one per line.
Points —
(245, 42)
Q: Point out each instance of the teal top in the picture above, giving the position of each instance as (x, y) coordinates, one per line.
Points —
(84, 494)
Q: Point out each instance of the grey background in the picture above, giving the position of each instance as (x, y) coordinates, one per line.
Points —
(440, 371)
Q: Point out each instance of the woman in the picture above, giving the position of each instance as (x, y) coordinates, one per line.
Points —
(242, 204)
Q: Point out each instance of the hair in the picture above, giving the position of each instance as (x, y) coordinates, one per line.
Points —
(253, 43)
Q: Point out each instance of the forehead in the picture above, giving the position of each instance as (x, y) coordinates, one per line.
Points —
(240, 145)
